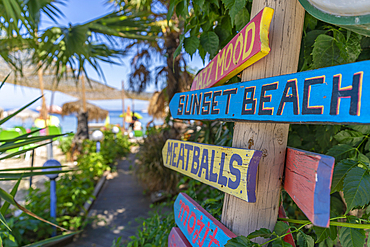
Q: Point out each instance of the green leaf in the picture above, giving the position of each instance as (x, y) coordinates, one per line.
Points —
(350, 237)
(199, 3)
(6, 204)
(326, 243)
(241, 19)
(3, 221)
(304, 240)
(23, 151)
(326, 52)
(235, 8)
(263, 232)
(340, 172)
(191, 45)
(281, 228)
(240, 241)
(353, 46)
(356, 188)
(2, 84)
(324, 233)
(228, 3)
(10, 199)
(362, 158)
(215, 2)
(179, 48)
(280, 243)
(342, 151)
(210, 42)
(52, 240)
(350, 137)
(15, 113)
(7, 197)
(364, 129)
(309, 21)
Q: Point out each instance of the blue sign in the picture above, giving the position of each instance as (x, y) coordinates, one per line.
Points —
(328, 95)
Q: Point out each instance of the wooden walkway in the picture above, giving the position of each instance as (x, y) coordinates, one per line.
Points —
(120, 201)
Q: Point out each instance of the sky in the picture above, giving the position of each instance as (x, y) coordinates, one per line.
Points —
(77, 12)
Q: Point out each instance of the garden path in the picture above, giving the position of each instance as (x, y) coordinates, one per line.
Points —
(120, 201)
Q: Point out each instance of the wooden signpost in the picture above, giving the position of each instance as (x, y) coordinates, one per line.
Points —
(250, 45)
(327, 95)
(308, 179)
(270, 97)
(232, 170)
(177, 239)
(199, 227)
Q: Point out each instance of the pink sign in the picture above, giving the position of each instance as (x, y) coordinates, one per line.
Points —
(247, 47)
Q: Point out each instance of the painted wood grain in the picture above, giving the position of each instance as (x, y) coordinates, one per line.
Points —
(326, 95)
(247, 47)
(177, 238)
(308, 179)
(199, 227)
(232, 170)
(285, 35)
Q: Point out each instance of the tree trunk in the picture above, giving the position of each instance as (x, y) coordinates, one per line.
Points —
(82, 130)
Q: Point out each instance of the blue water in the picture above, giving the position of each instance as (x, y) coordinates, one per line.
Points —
(69, 123)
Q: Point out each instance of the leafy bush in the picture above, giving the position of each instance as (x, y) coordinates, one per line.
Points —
(114, 146)
(154, 230)
(73, 190)
(149, 168)
(65, 145)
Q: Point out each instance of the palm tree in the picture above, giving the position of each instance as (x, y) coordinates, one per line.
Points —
(172, 70)
(65, 49)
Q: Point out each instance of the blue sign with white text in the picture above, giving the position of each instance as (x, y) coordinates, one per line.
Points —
(334, 95)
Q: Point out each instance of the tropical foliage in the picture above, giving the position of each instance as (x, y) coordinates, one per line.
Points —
(15, 147)
(209, 25)
(74, 190)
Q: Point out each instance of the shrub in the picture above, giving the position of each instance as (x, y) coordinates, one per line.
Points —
(73, 190)
(149, 168)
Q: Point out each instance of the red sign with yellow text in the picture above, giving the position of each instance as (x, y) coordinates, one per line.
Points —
(247, 47)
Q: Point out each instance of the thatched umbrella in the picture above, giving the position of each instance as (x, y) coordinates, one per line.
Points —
(25, 114)
(94, 112)
(158, 105)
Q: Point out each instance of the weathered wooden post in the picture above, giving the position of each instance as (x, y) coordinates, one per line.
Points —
(239, 216)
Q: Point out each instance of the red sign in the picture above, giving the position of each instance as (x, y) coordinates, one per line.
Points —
(308, 181)
(199, 227)
(247, 47)
(177, 239)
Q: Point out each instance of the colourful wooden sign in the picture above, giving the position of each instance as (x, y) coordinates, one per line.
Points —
(231, 170)
(198, 226)
(247, 47)
(327, 95)
(177, 238)
(308, 181)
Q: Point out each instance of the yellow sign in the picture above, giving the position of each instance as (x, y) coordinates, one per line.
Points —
(231, 170)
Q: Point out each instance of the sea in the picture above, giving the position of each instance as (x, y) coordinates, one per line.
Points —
(69, 122)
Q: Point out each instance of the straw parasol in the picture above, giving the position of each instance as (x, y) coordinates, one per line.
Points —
(94, 112)
(94, 90)
(157, 105)
(24, 115)
(54, 109)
